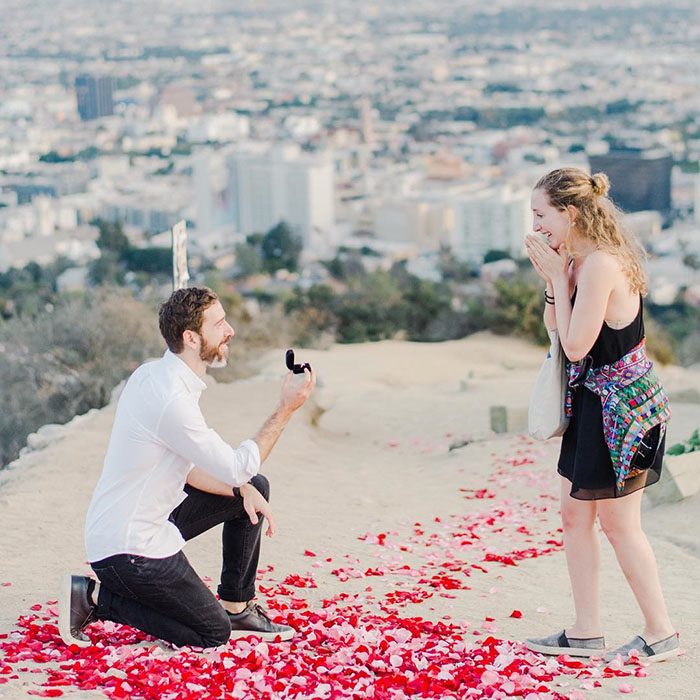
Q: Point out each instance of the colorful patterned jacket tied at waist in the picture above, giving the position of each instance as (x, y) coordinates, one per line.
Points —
(633, 401)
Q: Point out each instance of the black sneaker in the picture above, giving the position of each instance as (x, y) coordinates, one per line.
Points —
(254, 622)
(75, 609)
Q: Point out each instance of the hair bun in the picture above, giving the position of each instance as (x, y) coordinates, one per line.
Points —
(600, 184)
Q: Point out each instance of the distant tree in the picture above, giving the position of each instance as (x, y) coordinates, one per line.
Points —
(453, 269)
(112, 237)
(248, 259)
(107, 269)
(166, 169)
(281, 248)
(55, 157)
(495, 254)
(345, 266)
(24, 292)
(518, 309)
(155, 260)
(692, 261)
(89, 153)
(34, 271)
(424, 302)
(335, 268)
(369, 252)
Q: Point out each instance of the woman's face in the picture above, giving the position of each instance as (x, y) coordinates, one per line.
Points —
(548, 220)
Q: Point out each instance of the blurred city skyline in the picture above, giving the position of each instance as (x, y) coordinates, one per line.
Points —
(414, 127)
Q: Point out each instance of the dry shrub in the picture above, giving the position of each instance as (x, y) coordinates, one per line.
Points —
(67, 360)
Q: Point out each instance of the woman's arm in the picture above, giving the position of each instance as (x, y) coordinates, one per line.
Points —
(550, 319)
(548, 316)
(580, 326)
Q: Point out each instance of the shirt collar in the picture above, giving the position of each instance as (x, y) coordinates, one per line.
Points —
(193, 382)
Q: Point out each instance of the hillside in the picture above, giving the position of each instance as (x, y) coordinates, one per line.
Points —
(372, 506)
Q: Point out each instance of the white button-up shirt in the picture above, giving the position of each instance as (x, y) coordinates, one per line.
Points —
(159, 435)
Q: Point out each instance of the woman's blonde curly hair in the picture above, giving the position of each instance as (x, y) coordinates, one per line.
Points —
(597, 219)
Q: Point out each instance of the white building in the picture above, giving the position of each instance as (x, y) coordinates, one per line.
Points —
(147, 205)
(469, 217)
(218, 127)
(281, 183)
(42, 217)
(495, 218)
(426, 224)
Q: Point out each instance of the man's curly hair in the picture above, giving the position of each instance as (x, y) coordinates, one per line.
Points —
(184, 311)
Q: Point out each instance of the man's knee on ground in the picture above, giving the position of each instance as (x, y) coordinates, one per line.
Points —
(262, 484)
(218, 631)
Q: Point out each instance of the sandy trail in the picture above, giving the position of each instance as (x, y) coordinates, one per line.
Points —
(351, 477)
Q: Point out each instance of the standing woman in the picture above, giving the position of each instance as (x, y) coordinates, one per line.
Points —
(614, 444)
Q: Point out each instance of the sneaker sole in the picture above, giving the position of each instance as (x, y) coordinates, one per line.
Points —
(654, 659)
(570, 651)
(664, 656)
(64, 614)
(265, 636)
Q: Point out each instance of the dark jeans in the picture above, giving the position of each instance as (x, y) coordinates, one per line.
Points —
(165, 597)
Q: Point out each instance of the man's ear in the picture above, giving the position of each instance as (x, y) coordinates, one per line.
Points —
(190, 339)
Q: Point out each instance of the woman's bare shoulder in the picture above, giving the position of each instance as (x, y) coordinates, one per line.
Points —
(602, 257)
(601, 271)
(601, 262)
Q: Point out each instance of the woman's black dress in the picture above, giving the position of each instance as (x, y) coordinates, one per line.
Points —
(584, 458)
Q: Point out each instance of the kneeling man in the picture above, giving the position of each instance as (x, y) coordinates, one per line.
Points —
(167, 478)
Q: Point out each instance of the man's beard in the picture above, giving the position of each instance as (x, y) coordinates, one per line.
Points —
(214, 355)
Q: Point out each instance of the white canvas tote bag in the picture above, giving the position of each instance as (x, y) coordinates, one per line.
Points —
(546, 414)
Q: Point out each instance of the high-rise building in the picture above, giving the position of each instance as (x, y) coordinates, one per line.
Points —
(494, 218)
(94, 96)
(640, 180)
(281, 183)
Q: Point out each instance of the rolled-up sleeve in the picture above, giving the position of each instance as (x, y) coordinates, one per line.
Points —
(183, 430)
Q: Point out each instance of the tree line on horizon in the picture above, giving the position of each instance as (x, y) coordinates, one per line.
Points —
(62, 353)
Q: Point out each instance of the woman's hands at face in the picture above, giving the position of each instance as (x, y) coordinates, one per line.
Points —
(548, 263)
(535, 264)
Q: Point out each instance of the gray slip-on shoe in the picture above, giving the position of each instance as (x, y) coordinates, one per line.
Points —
(658, 651)
(75, 609)
(560, 643)
(255, 622)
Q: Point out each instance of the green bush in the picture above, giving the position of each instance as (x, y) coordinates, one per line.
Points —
(153, 260)
(692, 444)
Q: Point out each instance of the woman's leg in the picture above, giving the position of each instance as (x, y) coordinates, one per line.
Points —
(582, 548)
(620, 519)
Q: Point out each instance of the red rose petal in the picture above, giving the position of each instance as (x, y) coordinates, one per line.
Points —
(358, 642)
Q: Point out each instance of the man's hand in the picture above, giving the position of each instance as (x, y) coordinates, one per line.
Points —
(294, 393)
(254, 503)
